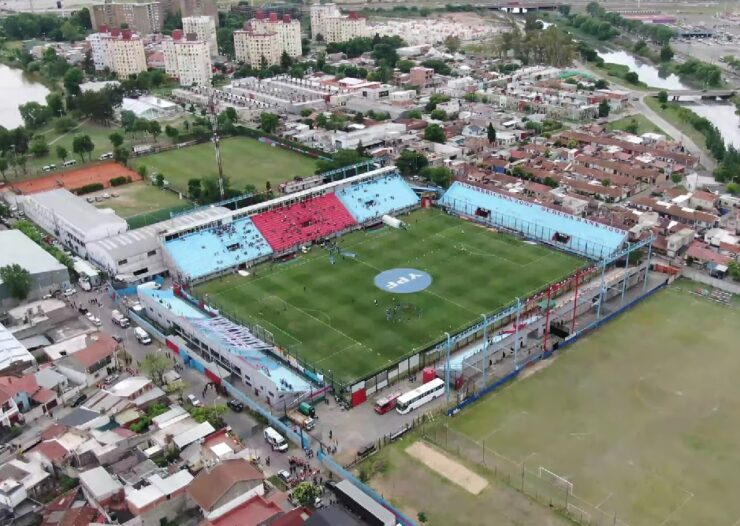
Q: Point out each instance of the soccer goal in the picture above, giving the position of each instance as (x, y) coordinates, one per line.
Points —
(554, 478)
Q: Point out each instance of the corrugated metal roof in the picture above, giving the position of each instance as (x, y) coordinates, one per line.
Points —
(26, 253)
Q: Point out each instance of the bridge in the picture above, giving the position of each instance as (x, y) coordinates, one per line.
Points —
(704, 94)
(521, 7)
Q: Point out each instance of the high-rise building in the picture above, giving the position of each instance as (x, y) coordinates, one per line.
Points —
(204, 27)
(328, 21)
(144, 17)
(288, 30)
(120, 50)
(191, 8)
(188, 59)
(267, 37)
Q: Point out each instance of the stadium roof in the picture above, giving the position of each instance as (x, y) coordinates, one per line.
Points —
(145, 239)
(75, 211)
(11, 350)
(26, 253)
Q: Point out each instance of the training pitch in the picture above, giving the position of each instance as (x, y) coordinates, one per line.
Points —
(327, 313)
(642, 417)
(245, 161)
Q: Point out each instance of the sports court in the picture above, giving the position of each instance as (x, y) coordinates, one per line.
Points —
(637, 424)
(325, 307)
(77, 178)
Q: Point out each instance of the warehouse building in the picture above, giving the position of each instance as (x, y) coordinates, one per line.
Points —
(47, 274)
(72, 220)
(136, 256)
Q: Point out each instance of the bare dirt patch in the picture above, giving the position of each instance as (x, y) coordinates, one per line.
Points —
(448, 468)
(537, 367)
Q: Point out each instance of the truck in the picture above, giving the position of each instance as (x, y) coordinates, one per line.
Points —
(119, 319)
(306, 422)
(307, 409)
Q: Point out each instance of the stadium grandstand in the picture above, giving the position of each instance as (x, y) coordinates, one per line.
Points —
(372, 199)
(303, 222)
(225, 246)
(560, 229)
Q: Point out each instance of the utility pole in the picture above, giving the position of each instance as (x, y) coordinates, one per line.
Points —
(216, 143)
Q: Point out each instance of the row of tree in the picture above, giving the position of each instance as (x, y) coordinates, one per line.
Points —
(551, 46)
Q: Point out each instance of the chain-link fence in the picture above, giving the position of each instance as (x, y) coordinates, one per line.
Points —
(535, 481)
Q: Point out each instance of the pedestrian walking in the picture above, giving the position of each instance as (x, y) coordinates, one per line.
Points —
(330, 434)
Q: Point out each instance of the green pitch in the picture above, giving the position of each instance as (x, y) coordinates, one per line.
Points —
(245, 161)
(327, 314)
(642, 417)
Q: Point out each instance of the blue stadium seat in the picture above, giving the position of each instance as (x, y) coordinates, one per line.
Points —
(375, 198)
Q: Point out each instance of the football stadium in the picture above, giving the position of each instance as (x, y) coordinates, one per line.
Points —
(364, 279)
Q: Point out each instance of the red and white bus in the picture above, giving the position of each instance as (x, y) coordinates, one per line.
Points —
(420, 396)
(388, 402)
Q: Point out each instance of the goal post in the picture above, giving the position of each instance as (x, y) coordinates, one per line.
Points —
(554, 478)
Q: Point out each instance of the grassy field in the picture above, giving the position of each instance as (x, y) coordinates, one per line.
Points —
(138, 198)
(670, 114)
(245, 161)
(643, 124)
(642, 417)
(327, 313)
(445, 503)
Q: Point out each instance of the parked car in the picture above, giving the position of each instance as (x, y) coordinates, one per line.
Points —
(110, 379)
(79, 400)
(236, 405)
(285, 476)
(68, 292)
(194, 400)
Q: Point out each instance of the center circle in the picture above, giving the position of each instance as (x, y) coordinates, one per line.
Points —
(403, 280)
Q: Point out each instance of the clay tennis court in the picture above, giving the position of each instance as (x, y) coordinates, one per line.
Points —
(77, 178)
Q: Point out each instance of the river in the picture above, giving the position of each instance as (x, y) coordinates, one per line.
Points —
(17, 88)
(721, 114)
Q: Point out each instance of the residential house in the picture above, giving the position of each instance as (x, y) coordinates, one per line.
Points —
(225, 487)
(91, 364)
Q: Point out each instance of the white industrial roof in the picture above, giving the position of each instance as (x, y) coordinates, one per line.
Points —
(128, 386)
(11, 350)
(172, 483)
(145, 239)
(74, 210)
(193, 434)
(100, 482)
(26, 253)
(175, 414)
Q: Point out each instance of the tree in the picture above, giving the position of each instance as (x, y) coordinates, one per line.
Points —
(155, 129)
(438, 175)
(360, 149)
(62, 153)
(452, 43)
(128, 120)
(121, 155)
(72, 80)
(421, 516)
(81, 145)
(604, 108)
(405, 65)
(155, 365)
(269, 122)
(632, 127)
(662, 96)
(491, 133)
(306, 494)
(435, 133)
(666, 53)
(17, 279)
(734, 269)
(3, 168)
(55, 104)
(632, 77)
(171, 132)
(285, 61)
(411, 162)
(39, 146)
(194, 189)
(601, 84)
(64, 124)
(33, 114)
(116, 139)
(438, 115)
(159, 180)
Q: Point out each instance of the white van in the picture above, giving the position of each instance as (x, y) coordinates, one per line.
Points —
(71, 162)
(142, 336)
(108, 155)
(275, 439)
(48, 168)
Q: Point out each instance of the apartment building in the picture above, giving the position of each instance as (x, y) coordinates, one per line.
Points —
(204, 28)
(329, 22)
(196, 8)
(188, 59)
(143, 17)
(288, 30)
(268, 38)
(120, 50)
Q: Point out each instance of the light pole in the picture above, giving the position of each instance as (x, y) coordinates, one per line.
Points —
(447, 367)
(516, 333)
(485, 347)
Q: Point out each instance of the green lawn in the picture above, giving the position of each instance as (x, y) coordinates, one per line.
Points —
(642, 417)
(643, 124)
(139, 198)
(670, 114)
(445, 503)
(245, 161)
(327, 313)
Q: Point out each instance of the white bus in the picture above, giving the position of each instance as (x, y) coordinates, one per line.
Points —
(420, 396)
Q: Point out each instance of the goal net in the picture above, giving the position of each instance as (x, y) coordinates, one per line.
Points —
(555, 479)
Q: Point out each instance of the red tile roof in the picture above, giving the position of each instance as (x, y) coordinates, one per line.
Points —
(52, 450)
(97, 351)
(15, 384)
(210, 486)
(4, 396)
(253, 512)
(53, 431)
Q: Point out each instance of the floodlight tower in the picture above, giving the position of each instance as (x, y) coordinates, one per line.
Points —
(216, 142)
